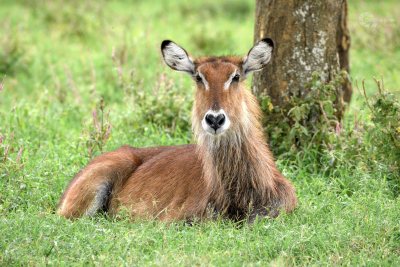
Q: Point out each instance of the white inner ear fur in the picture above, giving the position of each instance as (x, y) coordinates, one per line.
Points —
(229, 81)
(177, 58)
(205, 82)
(257, 58)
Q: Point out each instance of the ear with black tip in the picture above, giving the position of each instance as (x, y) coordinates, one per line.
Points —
(176, 57)
(258, 56)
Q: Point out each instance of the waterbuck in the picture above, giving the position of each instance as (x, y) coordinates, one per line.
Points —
(230, 171)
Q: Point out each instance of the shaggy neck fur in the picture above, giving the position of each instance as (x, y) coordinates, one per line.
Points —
(239, 165)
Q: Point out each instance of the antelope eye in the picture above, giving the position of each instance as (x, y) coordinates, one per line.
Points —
(236, 78)
(198, 78)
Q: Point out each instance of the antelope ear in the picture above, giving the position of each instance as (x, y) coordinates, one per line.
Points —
(258, 56)
(176, 57)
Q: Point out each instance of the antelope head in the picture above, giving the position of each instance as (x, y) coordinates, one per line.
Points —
(222, 102)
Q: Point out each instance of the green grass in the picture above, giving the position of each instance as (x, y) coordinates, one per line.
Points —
(59, 58)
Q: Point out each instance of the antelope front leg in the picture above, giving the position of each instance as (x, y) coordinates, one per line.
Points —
(284, 200)
(262, 213)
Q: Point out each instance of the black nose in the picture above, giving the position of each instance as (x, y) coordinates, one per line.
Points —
(215, 122)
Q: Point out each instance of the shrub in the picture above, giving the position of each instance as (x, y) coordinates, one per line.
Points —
(165, 103)
(383, 134)
(307, 123)
(307, 133)
(99, 131)
(12, 53)
(166, 106)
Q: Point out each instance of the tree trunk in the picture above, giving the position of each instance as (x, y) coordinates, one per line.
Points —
(309, 36)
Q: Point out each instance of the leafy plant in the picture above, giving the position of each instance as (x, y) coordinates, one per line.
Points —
(165, 104)
(12, 53)
(99, 131)
(384, 134)
(307, 131)
(307, 123)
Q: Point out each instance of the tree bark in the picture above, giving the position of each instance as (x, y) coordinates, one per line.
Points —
(309, 36)
(343, 45)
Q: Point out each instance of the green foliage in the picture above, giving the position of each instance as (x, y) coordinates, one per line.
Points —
(165, 106)
(383, 133)
(304, 123)
(12, 52)
(11, 165)
(307, 129)
(99, 131)
(234, 9)
(72, 21)
(207, 44)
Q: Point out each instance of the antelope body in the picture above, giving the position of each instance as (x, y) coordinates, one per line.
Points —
(230, 171)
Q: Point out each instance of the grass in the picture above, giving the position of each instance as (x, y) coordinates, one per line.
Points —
(59, 59)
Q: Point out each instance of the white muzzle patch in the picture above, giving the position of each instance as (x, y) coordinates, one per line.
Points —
(215, 122)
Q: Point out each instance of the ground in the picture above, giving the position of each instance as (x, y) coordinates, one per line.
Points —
(58, 60)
